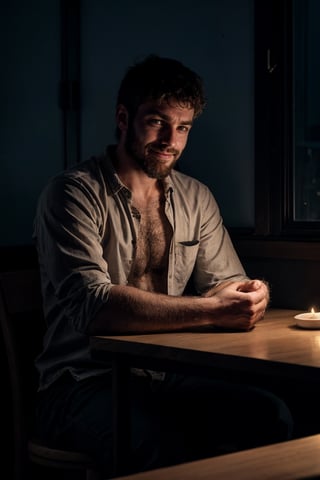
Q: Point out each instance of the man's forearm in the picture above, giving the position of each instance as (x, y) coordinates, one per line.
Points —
(238, 305)
(130, 309)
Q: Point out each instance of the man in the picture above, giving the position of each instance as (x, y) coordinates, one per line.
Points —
(119, 237)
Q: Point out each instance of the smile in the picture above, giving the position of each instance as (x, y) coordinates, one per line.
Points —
(165, 155)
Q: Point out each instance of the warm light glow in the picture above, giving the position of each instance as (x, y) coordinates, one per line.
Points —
(312, 310)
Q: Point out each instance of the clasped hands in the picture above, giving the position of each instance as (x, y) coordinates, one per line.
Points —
(240, 304)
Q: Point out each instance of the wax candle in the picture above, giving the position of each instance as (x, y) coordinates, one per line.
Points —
(309, 320)
(312, 315)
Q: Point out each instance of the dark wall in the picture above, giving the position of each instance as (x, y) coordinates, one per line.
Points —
(30, 119)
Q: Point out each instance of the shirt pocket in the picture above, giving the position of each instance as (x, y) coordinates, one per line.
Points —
(185, 258)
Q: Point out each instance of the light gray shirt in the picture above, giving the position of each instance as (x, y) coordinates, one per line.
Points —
(85, 232)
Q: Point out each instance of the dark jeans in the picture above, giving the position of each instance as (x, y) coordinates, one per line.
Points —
(182, 419)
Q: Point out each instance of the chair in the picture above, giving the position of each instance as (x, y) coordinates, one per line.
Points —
(22, 324)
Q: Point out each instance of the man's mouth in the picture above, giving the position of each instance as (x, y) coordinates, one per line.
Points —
(165, 154)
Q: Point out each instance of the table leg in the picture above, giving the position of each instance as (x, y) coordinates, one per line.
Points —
(121, 414)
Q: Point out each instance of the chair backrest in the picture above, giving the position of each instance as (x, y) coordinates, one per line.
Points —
(22, 324)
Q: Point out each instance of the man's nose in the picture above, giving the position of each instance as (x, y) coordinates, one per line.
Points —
(168, 135)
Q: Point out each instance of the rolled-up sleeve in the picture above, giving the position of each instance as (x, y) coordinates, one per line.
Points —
(217, 259)
(68, 227)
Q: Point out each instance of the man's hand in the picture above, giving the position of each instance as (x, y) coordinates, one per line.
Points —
(241, 303)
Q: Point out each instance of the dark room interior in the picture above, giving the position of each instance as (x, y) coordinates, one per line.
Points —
(256, 146)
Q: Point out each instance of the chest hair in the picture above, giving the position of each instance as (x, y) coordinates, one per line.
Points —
(150, 265)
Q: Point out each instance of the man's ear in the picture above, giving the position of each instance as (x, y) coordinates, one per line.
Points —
(122, 118)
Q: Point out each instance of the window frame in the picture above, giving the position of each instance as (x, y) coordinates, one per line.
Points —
(274, 151)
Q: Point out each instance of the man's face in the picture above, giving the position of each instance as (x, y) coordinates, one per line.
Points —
(157, 136)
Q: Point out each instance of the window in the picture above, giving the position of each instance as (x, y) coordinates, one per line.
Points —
(306, 90)
(287, 67)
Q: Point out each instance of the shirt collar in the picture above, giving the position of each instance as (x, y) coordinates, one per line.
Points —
(113, 178)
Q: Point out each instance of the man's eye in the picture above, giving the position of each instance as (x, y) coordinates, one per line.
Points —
(156, 121)
(183, 128)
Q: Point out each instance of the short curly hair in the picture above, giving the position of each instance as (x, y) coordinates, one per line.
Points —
(161, 79)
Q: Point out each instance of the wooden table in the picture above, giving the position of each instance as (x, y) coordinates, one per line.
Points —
(275, 347)
(296, 459)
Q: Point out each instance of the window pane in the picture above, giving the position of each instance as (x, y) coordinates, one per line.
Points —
(306, 110)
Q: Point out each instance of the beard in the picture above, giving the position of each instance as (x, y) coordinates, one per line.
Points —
(145, 159)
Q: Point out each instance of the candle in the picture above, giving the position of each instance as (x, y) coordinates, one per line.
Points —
(309, 320)
(312, 315)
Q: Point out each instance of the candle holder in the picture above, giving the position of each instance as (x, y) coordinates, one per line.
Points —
(310, 320)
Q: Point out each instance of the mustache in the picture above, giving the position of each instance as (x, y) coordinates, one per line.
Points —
(163, 149)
